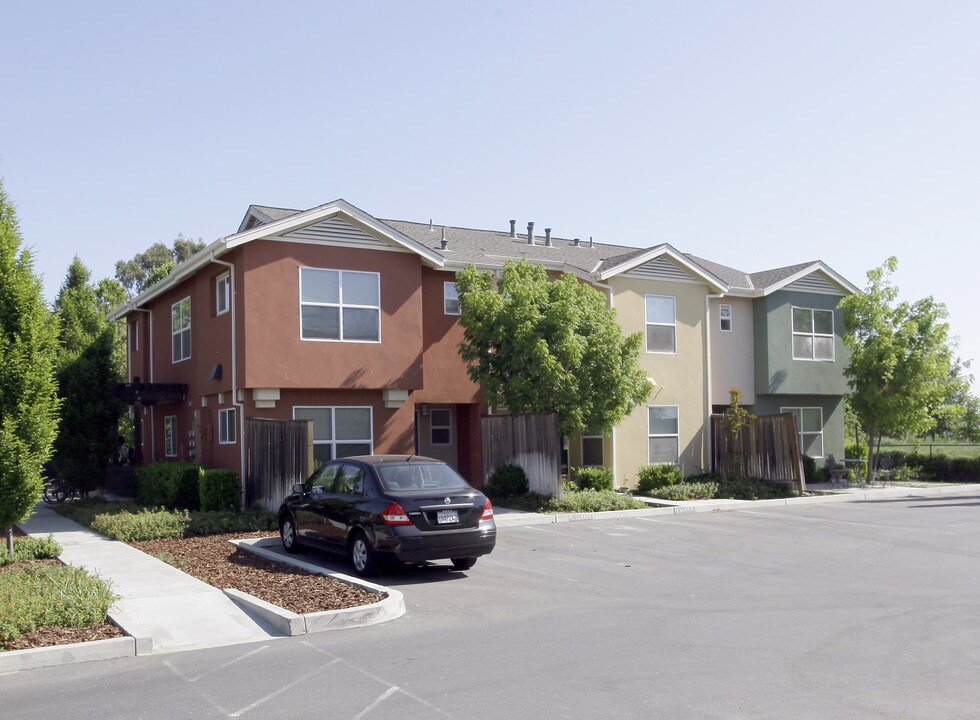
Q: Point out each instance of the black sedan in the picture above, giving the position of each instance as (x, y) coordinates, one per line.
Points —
(389, 507)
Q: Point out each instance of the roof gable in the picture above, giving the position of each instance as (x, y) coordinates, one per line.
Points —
(662, 262)
(814, 277)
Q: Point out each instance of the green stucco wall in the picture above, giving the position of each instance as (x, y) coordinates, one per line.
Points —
(833, 416)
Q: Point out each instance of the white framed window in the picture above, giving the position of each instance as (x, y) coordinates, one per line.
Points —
(134, 336)
(180, 327)
(809, 428)
(222, 294)
(725, 315)
(441, 426)
(664, 434)
(592, 451)
(661, 317)
(813, 334)
(450, 299)
(170, 436)
(338, 431)
(340, 305)
(227, 426)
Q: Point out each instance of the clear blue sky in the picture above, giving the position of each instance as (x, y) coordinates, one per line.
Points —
(756, 134)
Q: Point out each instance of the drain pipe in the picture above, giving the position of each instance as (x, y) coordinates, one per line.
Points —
(612, 434)
(707, 371)
(235, 403)
(149, 349)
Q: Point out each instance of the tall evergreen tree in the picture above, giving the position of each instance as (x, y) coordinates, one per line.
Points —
(28, 397)
(87, 373)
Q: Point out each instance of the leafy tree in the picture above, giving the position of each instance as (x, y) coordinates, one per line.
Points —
(900, 359)
(154, 264)
(28, 400)
(87, 373)
(540, 346)
(737, 418)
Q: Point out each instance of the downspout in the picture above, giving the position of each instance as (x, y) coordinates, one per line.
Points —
(153, 428)
(707, 374)
(240, 415)
(612, 434)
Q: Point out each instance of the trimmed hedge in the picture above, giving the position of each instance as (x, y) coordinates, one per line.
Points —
(654, 477)
(220, 490)
(169, 483)
(508, 481)
(594, 478)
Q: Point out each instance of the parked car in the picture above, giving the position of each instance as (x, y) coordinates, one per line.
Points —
(389, 507)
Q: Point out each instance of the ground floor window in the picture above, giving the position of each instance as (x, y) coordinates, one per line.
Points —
(592, 451)
(170, 436)
(663, 434)
(226, 426)
(338, 431)
(809, 427)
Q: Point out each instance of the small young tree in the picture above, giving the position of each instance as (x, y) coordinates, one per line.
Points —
(900, 363)
(543, 346)
(737, 418)
(28, 399)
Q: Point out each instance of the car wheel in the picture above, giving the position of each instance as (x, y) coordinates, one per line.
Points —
(287, 531)
(362, 555)
(464, 563)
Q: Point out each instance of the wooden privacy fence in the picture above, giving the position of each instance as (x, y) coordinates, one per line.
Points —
(768, 448)
(280, 453)
(531, 441)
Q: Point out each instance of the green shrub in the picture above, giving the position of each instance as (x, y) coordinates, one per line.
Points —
(30, 548)
(231, 521)
(220, 490)
(144, 525)
(810, 472)
(168, 483)
(753, 489)
(592, 501)
(594, 478)
(856, 451)
(507, 481)
(905, 473)
(50, 595)
(654, 477)
(687, 491)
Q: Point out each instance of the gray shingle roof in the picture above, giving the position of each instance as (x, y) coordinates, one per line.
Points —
(770, 277)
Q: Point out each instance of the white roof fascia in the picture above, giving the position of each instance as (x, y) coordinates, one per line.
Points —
(653, 253)
(833, 275)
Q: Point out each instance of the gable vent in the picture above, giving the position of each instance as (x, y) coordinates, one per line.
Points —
(336, 230)
(814, 282)
(662, 269)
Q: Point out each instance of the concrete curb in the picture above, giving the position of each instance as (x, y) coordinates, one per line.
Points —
(16, 660)
(290, 623)
(519, 519)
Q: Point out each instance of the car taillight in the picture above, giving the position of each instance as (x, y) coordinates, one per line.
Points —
(395, 514)
(487, 511)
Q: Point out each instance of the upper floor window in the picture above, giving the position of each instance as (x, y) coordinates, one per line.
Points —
(180, 325)
(134, 336)
(663, 434)
(340, 305)
(725, 313)
(661, 314)
(813, 334)
(450, 299)
(226, 426)
(222, 294)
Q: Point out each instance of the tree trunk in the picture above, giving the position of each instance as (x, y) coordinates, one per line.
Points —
(872, 458)
(9, 532)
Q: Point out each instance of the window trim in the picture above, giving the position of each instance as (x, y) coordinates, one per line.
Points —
(722, 318)
(649, 323)
(225, 295)
(433, 427)
(170, 436)
(800, 433)
(676, 435)
(174, 333)
(602, 449)
(333, 424)
(446, 299)
(813, 335)
(340, 305)
(232, 426)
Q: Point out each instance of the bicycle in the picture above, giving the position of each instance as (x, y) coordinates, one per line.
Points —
(57, 491)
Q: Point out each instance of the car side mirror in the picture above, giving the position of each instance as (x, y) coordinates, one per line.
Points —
(299, 488)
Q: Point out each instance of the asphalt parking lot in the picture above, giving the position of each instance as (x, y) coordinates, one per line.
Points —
(843, 610)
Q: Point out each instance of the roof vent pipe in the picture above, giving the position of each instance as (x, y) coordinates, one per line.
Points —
(445, 242)
(430, 225)
(547, 237)
(513, 228)
(591, 244)
(530, 233)
(577, 242)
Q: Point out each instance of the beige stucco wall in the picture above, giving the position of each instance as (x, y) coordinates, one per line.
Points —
(732, 358)
(680, 377)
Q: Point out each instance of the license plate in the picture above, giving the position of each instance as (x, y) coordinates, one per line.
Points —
(445, 517)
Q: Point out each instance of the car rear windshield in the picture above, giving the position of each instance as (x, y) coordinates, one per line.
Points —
(413, 477)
